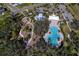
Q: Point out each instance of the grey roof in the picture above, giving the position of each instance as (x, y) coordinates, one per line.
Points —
(39, 17)
(2, 9)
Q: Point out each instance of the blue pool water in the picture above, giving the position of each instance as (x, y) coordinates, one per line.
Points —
(54, 36)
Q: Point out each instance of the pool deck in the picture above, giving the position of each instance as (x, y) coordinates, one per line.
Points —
(55, 31)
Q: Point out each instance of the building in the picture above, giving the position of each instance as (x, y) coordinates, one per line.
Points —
(39, 17)
(54, 20)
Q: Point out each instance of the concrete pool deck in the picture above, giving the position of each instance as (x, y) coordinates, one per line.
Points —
(54, 34)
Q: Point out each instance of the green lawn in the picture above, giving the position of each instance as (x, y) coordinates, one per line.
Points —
(74, 9)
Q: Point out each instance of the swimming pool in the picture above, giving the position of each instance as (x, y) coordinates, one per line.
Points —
(54, 36)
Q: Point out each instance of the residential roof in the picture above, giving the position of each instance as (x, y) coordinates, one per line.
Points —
(2, 10)
(53, 17)
(39, 16)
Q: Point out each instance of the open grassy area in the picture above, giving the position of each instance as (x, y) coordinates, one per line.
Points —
(74, 9)
(65, 29)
